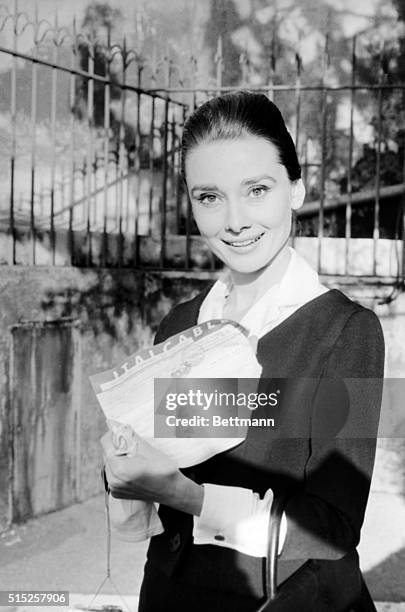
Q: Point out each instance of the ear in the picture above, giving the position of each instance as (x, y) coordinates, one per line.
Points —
(297, 194)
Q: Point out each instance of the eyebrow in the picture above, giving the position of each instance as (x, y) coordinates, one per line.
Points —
(246, 182)
(204, 188)
(257, 179)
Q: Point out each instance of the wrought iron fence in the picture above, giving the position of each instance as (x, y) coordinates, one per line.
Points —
(90, 169)
(80, 175)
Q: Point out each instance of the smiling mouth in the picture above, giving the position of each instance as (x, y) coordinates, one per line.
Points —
(244, 243)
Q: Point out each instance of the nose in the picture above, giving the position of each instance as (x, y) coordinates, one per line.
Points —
(235, 221)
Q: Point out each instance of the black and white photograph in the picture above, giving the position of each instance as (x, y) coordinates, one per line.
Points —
(202, 305)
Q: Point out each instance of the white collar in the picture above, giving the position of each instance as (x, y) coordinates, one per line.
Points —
(299, 284)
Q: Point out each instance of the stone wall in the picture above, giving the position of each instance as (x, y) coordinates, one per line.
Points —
(119, 311)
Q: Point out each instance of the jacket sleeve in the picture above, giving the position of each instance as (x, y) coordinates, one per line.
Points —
(325, 518)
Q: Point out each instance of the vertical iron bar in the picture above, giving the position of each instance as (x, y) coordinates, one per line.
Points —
(244, 64)
(34, 81)
(350, 161)
(107, 60)
(272, 68)
(164, 187)
(127, 191)
(117, 192)
(219, 62)
(184, 196)
(188, 211)
(121, 154)
(62, 195)
(137, 170)
(306, 162)
(95, 194)
(53, 146)
(72, 145)
(403, 204)
(172, 181)
(151, 165)
(172, 125)
(188, 230)
(13, 112)
(178, 177)
(193, 84)
(94, 207)
(163, 202)
(83, 173)
(322, 181)
(90, 148)
(298, 100)
(376, 227)
(297, 127)
(323, 154)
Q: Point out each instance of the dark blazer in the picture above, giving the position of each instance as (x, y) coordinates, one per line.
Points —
(326, 479)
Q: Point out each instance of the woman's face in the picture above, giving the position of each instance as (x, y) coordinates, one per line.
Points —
(242, 199)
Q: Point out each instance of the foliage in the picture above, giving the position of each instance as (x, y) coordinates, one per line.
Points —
(99, 20)
(286, 42)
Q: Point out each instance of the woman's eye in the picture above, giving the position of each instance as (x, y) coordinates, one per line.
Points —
(257, 192)
(208, 199)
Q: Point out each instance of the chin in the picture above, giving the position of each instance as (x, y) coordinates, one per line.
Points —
(246, 269)
(244, 266)
(245, 263)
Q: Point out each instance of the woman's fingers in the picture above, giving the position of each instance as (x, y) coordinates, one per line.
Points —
(124, 483)
(112, 465)
(110, 449)
(107, 445)
(118, 470)
(118, 461)
(148, 474)
(126, 474)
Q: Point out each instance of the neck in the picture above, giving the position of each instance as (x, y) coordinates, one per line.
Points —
(248, 288)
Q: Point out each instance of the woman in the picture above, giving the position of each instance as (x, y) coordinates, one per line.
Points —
(244, 182)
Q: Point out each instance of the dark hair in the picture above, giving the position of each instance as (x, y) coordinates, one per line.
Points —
(238, 114)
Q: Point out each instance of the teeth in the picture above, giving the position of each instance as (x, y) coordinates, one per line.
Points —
(245, 242)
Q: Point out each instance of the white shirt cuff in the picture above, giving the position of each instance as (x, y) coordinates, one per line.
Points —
(234, 517)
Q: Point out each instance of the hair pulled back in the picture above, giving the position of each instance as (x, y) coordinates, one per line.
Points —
(242, 113)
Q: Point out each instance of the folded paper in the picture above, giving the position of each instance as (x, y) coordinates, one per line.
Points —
(214, 349)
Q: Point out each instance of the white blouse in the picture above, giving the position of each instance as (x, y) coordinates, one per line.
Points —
(234, 517)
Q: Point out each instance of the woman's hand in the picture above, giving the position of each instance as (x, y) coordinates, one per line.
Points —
(150, 475)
